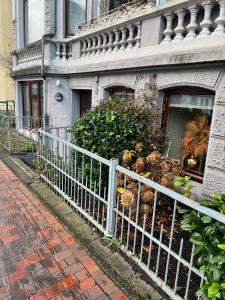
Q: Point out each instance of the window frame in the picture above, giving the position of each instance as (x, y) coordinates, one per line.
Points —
(40, 103)
(195, 175)
(66, 18)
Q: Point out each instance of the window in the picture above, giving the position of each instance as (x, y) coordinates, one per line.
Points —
(115, 3)
(120, 92)
(32, 96)
(75, 15)
(187, 118)
(34, 20)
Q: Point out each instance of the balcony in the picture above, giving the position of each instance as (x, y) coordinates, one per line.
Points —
(140, 34)
(28, 57)
(144, 34)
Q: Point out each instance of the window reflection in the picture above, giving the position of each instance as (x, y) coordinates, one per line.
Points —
(76, 14)
(34, 20)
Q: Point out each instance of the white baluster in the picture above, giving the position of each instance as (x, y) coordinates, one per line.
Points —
(104, 44)
(179, 30)
(110, 43)
(193, 25)
(220, 21)
(94, 44)
(57, 51)
(131, 36)
(117, 40)
(168, 31)
(138, 37)
(64, 54)
(123, 41)
(84, 49)
(89, 47)
(206, 23)
(99, 44)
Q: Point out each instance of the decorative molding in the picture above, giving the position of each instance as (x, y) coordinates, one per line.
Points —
(50, 25)
(218, 122)
(205, 79)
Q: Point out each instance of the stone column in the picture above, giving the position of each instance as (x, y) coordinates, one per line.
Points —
(220, 21)
(168, 31)
(110, 43)
(179, 30)
(117, 40)
(193, 25)
(206, 23)
(131, 36)
(124, 38)
(138, 37)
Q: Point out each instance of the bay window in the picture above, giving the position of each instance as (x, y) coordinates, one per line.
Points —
(34, 20)
(75, 14)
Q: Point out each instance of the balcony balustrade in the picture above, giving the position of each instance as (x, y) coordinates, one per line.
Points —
(63, 51)
(118, 39)
(29, 57)
(204, 19)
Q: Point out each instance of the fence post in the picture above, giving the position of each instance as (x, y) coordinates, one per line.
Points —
(112, 187)
(10, 135)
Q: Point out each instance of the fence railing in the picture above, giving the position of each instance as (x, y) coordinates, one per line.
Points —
(24, 139)
(146, 222)
(7, 107)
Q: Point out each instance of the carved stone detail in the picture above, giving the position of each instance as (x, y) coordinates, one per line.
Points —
(207, 79)
(220, 95)
(49, 16)
(218, 124)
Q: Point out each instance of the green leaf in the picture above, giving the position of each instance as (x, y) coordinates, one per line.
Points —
(221, 246)
(206, 219)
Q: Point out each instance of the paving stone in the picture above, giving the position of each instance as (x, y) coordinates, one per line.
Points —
(39, 258)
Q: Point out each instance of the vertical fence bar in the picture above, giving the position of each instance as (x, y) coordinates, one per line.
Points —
(112, 187)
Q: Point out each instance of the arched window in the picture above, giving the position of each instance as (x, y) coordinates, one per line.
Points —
(119, 92)
(187, 116)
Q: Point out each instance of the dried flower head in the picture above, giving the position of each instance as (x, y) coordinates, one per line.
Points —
(127, 157)
(139, 147)
(148, 197)
(164, 167)
(140, 165)
(127, 199)
(167, 180)
(133, 188)
(146, 208)
(153, 157)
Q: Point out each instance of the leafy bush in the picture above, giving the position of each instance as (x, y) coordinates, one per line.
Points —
(208, 235)
(115, 125)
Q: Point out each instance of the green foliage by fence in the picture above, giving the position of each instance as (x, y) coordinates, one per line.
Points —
(208, 235)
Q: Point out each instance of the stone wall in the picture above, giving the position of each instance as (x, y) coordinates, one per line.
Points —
(214, 180)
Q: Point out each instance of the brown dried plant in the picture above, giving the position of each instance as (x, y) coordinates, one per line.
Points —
(196, 137)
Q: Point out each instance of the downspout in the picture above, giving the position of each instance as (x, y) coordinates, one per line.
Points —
(43, 75)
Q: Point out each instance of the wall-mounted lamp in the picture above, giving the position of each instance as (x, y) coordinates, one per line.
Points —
(58, 82)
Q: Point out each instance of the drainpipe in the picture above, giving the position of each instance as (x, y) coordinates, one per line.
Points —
(43, 73)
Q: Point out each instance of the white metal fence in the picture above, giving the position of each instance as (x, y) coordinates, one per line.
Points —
(20, 140)
(148, 229)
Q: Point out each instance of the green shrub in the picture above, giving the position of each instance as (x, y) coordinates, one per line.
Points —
(115, 125)
(208, 235)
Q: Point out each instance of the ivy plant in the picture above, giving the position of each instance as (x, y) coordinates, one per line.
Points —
(208, 235)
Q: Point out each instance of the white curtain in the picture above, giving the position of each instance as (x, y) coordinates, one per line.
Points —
(192, 101)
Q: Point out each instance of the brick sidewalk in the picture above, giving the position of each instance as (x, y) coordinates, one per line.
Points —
(39, 259)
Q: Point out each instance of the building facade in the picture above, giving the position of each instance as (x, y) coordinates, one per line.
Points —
(6, 83)
(71, 54)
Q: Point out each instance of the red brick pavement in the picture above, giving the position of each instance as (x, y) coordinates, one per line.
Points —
(39, 259)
